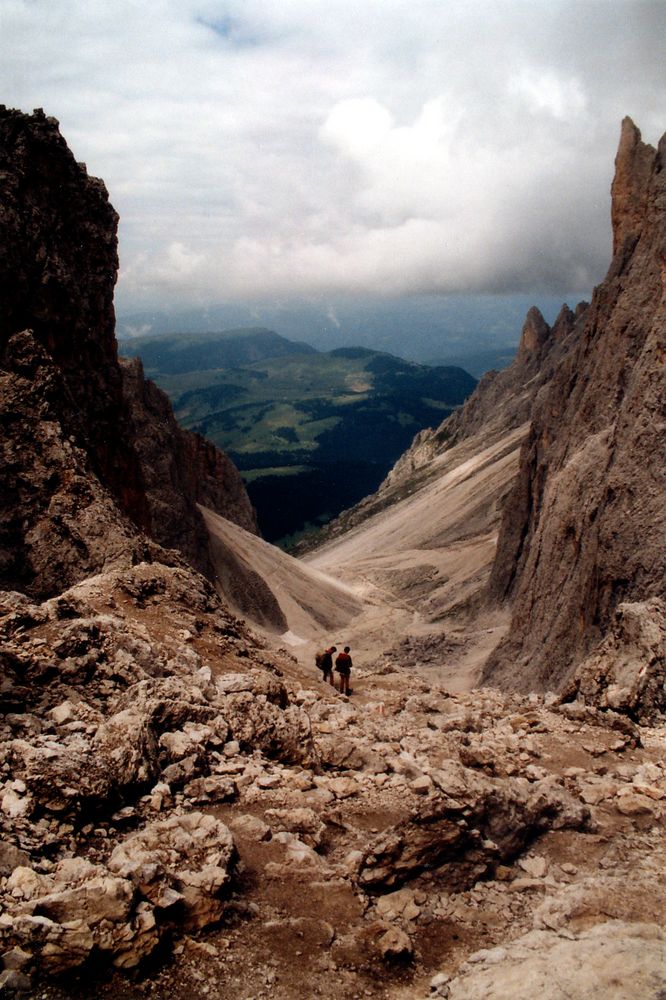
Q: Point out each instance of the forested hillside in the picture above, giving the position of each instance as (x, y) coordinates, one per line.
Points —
(311, 432)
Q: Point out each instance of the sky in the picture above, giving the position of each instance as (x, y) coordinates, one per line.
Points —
(319, 149)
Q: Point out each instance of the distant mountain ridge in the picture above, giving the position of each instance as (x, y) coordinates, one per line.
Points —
(421, 328)
(178, 353)
(477, 363)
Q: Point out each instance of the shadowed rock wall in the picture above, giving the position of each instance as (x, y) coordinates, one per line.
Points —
(58, 266)
(180, 469)
(80, 442)
(585, 526)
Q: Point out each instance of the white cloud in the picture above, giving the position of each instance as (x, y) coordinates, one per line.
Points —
(258, 147)
(564, 99)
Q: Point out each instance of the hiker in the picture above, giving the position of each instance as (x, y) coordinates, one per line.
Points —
(325, 663)
(343, 665)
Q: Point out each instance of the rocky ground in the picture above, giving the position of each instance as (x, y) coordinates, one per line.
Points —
(187, 812)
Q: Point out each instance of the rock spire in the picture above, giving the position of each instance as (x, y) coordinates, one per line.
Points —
(585, 526)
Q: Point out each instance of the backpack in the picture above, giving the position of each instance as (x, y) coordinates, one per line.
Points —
(319, 660)
(343, 662)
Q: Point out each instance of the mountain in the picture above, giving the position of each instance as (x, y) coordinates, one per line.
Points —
(200, 352)
(312, 432)
(575, 585)
(186, 808)
(495, 414)
(584, 529)
(418, 327)
(80, 435)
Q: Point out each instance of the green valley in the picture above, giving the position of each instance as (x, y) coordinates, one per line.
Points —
(312, 432)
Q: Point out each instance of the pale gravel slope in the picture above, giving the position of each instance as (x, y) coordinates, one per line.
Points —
(311, 601)
(412, 572)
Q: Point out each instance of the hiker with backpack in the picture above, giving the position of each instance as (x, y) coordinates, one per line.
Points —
(325, 663)
(343, 665)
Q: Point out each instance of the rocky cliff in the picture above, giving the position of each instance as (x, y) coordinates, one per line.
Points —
(58, 267)
(180, 469)
(90, 456)
(584, 528)
(502, 400)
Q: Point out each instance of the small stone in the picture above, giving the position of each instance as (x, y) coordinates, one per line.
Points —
(12, 981)
(398, 904)
(352, 862)
(422, 785)
(635, 805)
(268, 781)
(526, 884)
(343, 788)
(650, 790)
(251, 827)
(14, 805)
(62, 713)
(160, 795)
(16, 959)
(395, 944)
(439, 984)
(11, 857)
(536, 867)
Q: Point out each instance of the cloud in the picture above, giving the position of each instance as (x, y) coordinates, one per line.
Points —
(545, 91)
(258, 148)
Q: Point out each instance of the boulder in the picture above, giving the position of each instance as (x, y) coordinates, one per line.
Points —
(467, 836)
(627, 671)
(61, 918)
(612, 959)
(259, 724)
(181, 865)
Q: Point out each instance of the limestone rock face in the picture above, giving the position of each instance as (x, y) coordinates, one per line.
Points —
(83, 443)
(534, 339)
(634, 166)
(585, 526)
(180, 469)
(57, 520)
(627, 671)
(502, 400)
(58, 267)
